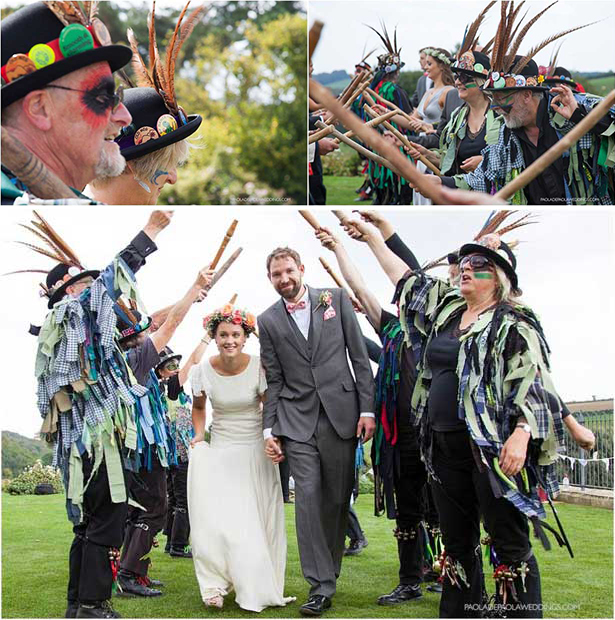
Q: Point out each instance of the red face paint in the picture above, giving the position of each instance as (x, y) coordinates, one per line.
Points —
(95, 101)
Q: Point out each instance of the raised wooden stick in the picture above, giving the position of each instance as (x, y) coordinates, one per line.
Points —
(388, 104)
(361, 149)
(225, 267)
(227, 237)
(372, 138)
(557, 150)
(338, 281)
(403, 140)
(315, 31)
(340, 215)
(233, 300)
(309, 218)
(356, 80)
(31, 171)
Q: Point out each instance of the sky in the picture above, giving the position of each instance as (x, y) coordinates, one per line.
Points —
(441, 23)
(565, 270)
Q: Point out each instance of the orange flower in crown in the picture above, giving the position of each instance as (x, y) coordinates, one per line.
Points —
(229, 314)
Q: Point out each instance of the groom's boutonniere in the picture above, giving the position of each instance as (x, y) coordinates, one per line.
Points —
(326, 300)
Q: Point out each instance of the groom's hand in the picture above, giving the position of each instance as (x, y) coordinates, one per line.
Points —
(273, 449)
(366, 428)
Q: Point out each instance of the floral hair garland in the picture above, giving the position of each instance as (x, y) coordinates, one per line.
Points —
(229, 314)
(430, 51)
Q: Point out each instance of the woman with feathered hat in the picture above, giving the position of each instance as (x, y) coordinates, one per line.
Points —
(155, 143)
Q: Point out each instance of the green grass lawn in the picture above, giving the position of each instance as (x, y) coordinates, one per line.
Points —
(341, 190)
(601, 86)
(36, 537)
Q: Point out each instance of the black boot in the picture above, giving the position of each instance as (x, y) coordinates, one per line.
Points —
(100, 609)
(356, 546)
(180, 552)
(71, 609)
(134, 585)
(401, 594)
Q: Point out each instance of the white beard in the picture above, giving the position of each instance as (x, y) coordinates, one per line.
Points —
(111, 162)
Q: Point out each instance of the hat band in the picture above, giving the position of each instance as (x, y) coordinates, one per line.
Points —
(43, 55)
(498, 80)
(131, 136)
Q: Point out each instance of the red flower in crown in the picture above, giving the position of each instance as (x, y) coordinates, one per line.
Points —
(237, 318)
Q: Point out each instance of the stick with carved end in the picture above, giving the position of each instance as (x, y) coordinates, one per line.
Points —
(338, 282)
(225, 267)
(309, 218)
(227, 237)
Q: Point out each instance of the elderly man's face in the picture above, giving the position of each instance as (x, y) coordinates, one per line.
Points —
(513, 108)
(85, 122)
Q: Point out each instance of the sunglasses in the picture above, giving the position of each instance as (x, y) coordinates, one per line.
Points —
(465, 79)
(504, 104)
(171, 366)
(476, 262)
(111, 100)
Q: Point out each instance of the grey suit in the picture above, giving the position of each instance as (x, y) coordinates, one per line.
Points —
(313, 405)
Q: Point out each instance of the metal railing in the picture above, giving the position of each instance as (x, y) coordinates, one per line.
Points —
(594, 474)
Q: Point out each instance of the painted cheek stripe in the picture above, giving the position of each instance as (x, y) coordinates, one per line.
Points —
(483, 275)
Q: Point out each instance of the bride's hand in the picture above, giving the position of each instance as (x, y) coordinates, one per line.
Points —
(197, 439)
(273, 449)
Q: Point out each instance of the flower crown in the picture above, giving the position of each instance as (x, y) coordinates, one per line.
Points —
(430, 51)
(229, 314)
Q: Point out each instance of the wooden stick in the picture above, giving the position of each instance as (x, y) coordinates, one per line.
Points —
(227, 237)
(388, 104)
(373, 139)
(225, 267)
(556, 151)
(315, 31)
(309, 218)
(374, 122)
(340, 215)
(403, 140)
(30, 170)
(361, 149)
(233, 300)
(338, 281)
(356, 80)
(323, 133)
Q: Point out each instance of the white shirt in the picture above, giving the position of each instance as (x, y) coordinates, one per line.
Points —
(302, 318)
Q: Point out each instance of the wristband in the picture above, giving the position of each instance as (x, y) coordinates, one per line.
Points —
(525, 427)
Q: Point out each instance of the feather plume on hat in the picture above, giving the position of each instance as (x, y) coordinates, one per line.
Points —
(470, 37)
(160, 74)
(493, 226)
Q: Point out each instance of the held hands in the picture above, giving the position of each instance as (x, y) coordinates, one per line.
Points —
(197, 439)
(273, 449)
(564, 102)
(366, 428)
(512, 457)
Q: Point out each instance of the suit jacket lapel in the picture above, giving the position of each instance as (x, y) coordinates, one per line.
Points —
(316, 320)
(283, 320)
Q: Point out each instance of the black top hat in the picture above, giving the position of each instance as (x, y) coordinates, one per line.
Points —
(503, 257)
(153, 127)
(527, 79)
(561, 76)
(453, 258)
(57, 287)
(167, 355)
(476, 64)
(127, 327)
(36, 25)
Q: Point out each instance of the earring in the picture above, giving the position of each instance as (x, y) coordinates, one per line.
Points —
(145, 186)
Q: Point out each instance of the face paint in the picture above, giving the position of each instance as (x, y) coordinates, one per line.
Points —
(483, 275)
(157, 174)
(505, 105)
(97, 98)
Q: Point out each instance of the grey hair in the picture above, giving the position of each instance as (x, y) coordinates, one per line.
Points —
(504, 291)
(144, 168)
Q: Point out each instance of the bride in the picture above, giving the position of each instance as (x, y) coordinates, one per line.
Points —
(234, 494)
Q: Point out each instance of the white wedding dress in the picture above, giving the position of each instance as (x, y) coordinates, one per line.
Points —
(234, 496)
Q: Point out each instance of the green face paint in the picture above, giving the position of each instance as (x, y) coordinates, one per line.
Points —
(483, 275)
(471, 85)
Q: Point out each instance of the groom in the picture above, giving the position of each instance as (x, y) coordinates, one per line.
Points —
(314, 412)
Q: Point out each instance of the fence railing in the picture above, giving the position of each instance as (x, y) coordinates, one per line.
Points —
(594, 473)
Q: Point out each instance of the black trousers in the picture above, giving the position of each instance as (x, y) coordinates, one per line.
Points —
(284, 479)
(149, 489)
(410, 482)
(177, 528)
(100, 531)
(354, 531)
(463, 495)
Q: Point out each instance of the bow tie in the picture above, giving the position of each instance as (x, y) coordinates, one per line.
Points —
(300, 305)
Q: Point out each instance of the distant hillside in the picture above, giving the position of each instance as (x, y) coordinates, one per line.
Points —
(336, 81)
(19, 452)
